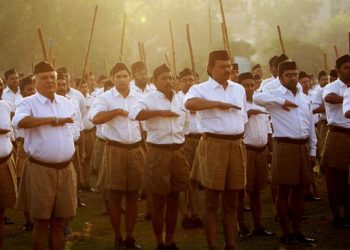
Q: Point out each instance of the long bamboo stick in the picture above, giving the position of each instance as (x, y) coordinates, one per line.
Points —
(336, 51)
(167, 61)
(43, 45)
(106, 66)
(281, 39)
(144, 54)
(173, 48)
(122, 39)
(190, 48)
(225, 33)
(325, 61)
(88, 47)
(210, 27)
(349, 41)
(140, 51)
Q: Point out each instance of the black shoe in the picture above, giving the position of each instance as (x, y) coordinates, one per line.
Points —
(247, 209)
(160, 247)
(8, 221)
(81, 203)
(130, 244)
(289, 240)
(148, 216)
(340, 223)
(119, 244)
(244, 233)
(89, 189)
(197, 222)
(311, 198)
(261, 231)
(28, 226)
(172, 247)
(304, 239)
(187, 223)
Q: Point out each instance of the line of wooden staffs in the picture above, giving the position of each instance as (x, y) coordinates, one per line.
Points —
(47, 54)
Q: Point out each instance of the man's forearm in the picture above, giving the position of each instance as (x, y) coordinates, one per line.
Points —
(333, 98)
(105, 116)
(33, 122)
(197, 104)
(148, 114)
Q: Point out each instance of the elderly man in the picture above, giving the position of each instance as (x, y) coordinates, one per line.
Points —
(48, 185)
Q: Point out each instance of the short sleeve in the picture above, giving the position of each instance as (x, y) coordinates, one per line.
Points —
(23, 110)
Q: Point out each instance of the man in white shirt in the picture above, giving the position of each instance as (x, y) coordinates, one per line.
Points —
(189, 201)
(8, 182)
(257, 70)
(124, 155)
(48, 186)
(256, 136)
(220, 161)
(273, 72)
(141, 86)
(166, 170)
(336, 155)
(275, 83)
(234, 72)
(11, 93)
(294, 148)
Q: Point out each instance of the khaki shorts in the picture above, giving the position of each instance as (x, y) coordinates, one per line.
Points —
(336, 152)
(166, 171)
(21, 158)
(123, 168)
(190, 149)
(220, 164)
(257, 170)
(89, 143)
(97, 154)
(47, 193)
(8, 184)
(291, 164)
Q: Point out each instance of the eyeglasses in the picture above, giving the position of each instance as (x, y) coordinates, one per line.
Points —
(290, 75)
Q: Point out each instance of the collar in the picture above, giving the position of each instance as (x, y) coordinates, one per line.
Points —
(214, 84)
(285, 90)
(342, 84)
(44, 99)
(7, 89)
(116, 93)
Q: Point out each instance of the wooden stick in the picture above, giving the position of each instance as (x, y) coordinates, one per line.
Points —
(224, 30)
(144, 54)
(281, 39)
(223, 35)
(53, 61)
(336, 51)
(325, 60)
(210, 27)
(106, 66)
(88, 48)
(122, 39)
(349, 41)
(49, 45)
(173, 48)
(167, 61)
(42, 42)
(140, 51)
(190, 47)
(33, 59)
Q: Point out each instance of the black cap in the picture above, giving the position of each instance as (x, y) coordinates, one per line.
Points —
(118, 67)
(9, 72)
(303, 74)
(218, 55)
(256, 66)
(245, 76)
(278, 60)
(160, 70)
(286, 66)
(43, 67)
(138, 66)
(333, 73)
(25, 81)
(186, 72)
(62, 70)
(321, 73)
(341, 60)
(272, 60)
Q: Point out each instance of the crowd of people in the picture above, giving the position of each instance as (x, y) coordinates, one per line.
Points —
(166, 138)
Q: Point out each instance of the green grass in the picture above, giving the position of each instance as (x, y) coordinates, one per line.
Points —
(316, 225)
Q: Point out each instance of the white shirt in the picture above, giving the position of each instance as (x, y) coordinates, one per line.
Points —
(317, 101)
(193, 127)
(334, 112)
(297, 123)
(11, 98)
(264, 82)
(120, 128)
(97, 92)
(163, 130)
(88, 101)
(5, 123)
(77, 95)
(257, 128)
(149, 88)
(77, 126)
(276, 84)
(217, 121)
(346, 101)
(47, 143)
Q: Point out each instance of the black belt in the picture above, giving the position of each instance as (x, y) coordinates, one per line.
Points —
(255, 148)
(166, 146)
(224, 137)
(59, 165)
(291, 140)
(194, 136)
(124, 145)
(339, 129)
(5, 159)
